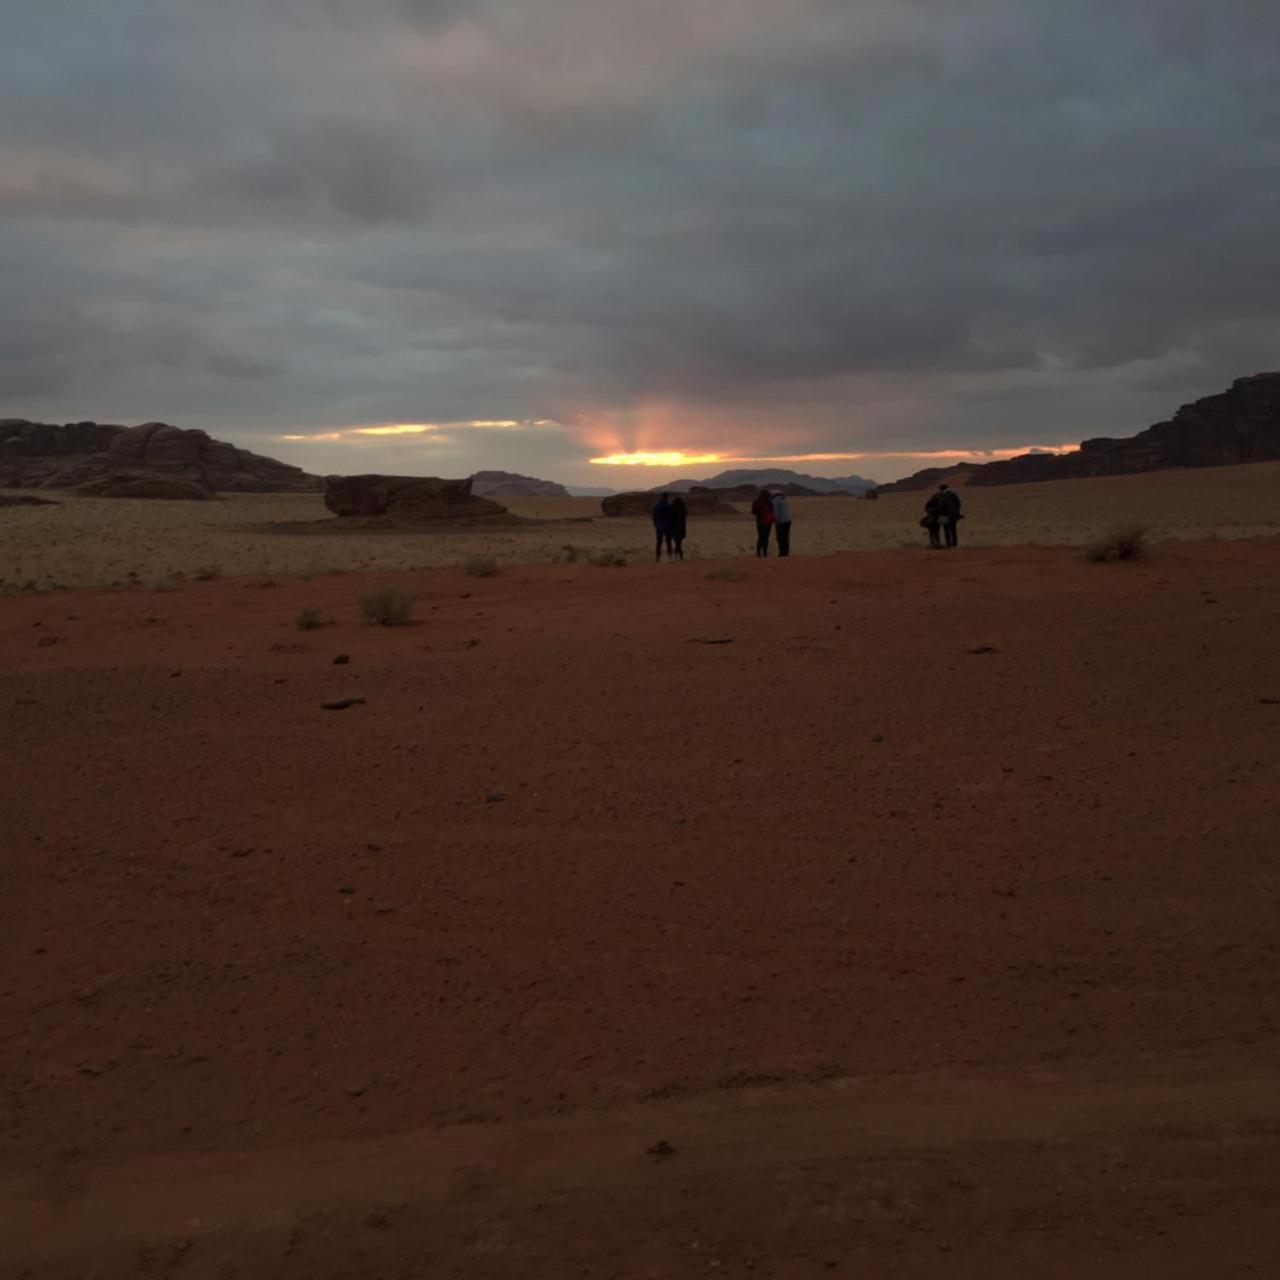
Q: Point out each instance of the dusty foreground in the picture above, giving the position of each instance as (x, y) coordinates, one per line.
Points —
(88, 542)
(923, 906)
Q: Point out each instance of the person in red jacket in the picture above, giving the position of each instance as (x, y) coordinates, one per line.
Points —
(762, 509)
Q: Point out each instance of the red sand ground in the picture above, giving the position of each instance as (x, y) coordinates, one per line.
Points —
(926, 961)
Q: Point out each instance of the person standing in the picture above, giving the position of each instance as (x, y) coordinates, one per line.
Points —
(678, 515)
(782, 521)
(932, 520)
(762, 509)
(950, 501)
(662, 526)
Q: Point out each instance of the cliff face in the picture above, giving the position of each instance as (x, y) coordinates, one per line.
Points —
(1238, 425)
(1241, 424)
(42, 455)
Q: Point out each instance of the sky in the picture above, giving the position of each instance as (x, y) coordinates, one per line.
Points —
(614, 242)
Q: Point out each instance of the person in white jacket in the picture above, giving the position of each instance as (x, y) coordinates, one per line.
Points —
(782, 521)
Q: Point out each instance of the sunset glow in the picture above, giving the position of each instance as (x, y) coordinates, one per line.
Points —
(671, 458)
(678, 458)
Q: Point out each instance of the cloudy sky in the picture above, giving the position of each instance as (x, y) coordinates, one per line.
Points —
(437, 235)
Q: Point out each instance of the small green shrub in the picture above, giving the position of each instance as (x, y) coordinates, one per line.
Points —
(388, 606)
(480, 567)
(309, 620)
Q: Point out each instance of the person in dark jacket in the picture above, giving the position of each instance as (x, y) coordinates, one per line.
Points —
(762, 509)
(932, 519)
(950, 501)
(662, 525)
(678, 516)
(782, 522)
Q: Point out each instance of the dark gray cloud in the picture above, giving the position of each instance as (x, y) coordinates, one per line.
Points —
(725, 225)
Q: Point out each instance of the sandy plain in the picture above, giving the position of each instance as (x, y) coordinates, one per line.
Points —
(98, 541)
(876, 913)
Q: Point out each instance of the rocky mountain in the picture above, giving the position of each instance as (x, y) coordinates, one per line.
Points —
(756, 478)
(509, 484)
(42, 455)
(1241, 424)
(410, 499)
(700, 502)
(932, 477)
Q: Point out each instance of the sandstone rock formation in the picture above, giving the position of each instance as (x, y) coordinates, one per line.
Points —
(931, 478)
(700, 503)
(41, 455)
(1241, 424)
(1238, 425)
(508, 484)
(409, 499)
(144, 484)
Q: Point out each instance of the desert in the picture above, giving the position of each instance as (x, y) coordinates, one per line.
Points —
(879, 910)
(98, 542)
(638, 641)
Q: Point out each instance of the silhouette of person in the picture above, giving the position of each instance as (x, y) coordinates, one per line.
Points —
(932, 520)
(782, 520)
(950, 506)
(678, 519)
(662, 526)
(762, 509)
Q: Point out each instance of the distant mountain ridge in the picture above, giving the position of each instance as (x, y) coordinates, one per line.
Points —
(510, 484)
(771, 475)
(1241, 424)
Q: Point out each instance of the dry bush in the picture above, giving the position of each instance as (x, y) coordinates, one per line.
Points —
(309, 620)
(727, 573)
(571, 553)
(480, 567)
(388, 606)
(1125, 542)
(607, 559)
(207, 573)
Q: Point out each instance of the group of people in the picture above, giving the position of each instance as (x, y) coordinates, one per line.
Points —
(941, 515)
(670, 523)
(772, 510)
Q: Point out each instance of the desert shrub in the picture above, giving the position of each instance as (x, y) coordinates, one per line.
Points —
(606, 559)
(1130, 541)
(388, 606)
(726, 573)
(309, 620)
(207, 573)
(480, 567)
(1126, 542)
(164, 584)
(571, 553)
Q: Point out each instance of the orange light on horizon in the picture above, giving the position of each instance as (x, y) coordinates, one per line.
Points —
(670, 458)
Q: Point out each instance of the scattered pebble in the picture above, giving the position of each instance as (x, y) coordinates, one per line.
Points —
(662, 1150)
(341, 704)
(341, 660)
